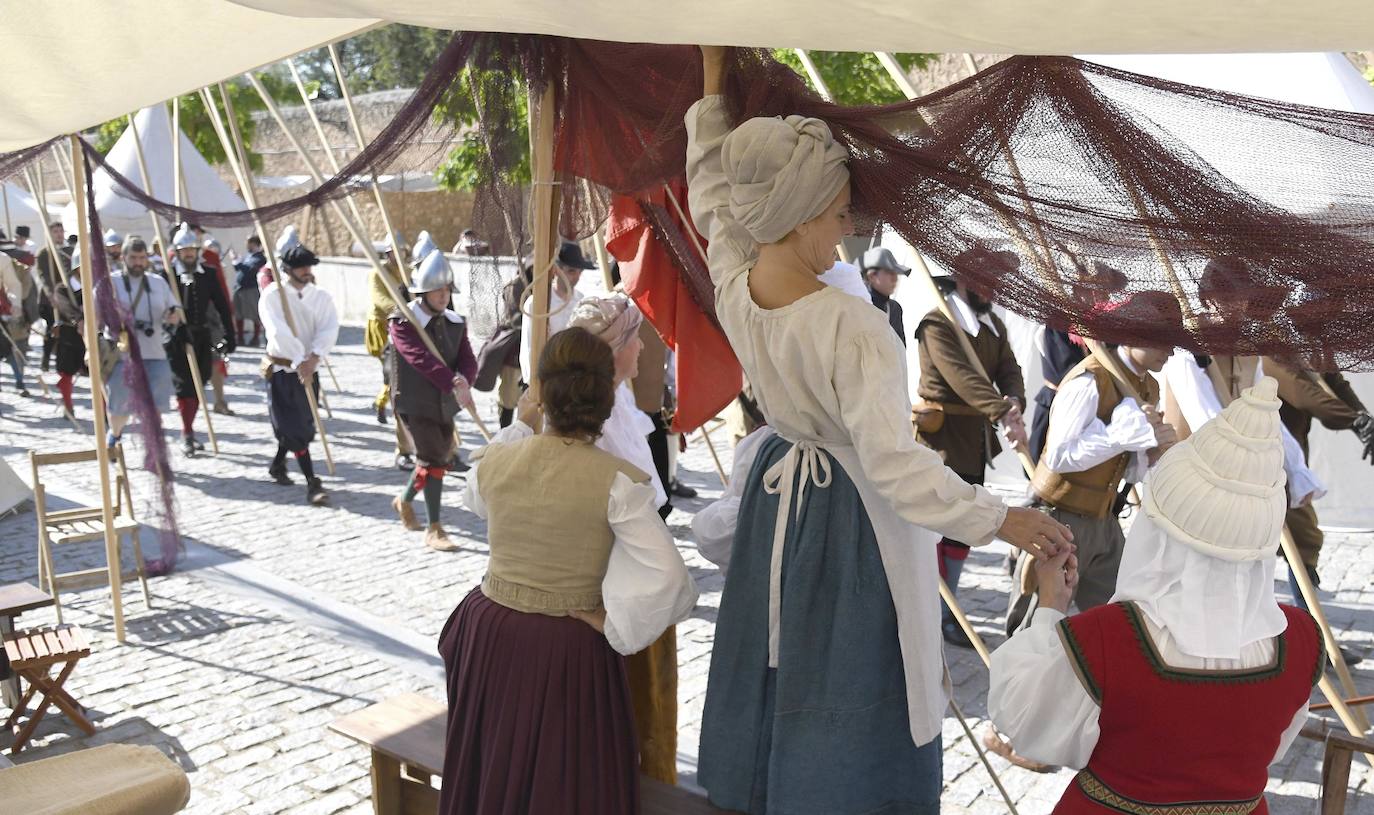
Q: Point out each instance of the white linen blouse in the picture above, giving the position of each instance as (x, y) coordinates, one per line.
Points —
(829, 374)
(647, 586)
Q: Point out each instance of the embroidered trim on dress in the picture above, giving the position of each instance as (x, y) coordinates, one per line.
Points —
(1079, 661)
(1167, 671)
(1321, 652)
(1095, 789)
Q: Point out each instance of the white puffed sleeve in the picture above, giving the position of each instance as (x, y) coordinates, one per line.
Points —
(708, 193)
(871, 389)
(647, 586)
(1036, 699)
(472, 493)
(714, 526)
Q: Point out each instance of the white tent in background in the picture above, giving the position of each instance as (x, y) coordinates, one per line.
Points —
(1325, 80)
(205, 189)
(18, 208)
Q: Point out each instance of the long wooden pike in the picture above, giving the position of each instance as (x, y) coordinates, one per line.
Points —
(238, 163)
(353, 227)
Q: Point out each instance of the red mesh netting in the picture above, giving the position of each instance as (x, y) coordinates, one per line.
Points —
(1064, 163)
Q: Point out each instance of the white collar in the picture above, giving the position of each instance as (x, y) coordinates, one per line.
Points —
(1126, 360)
(423, 317)
(968, 320)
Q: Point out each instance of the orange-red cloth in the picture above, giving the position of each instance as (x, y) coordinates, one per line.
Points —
(708, 373)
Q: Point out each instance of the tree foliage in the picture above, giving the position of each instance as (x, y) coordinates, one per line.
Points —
(855, 78)
(467, 165)
(196, 122)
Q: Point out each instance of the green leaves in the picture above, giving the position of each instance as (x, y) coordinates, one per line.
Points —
(855, 78)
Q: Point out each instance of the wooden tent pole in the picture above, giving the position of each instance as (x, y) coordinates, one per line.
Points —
(354, 229)
(234, 150)
(102, 452)
(172, 282)
(982, 755)
(545, 195)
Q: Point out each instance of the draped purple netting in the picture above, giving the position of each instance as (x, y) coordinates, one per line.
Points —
(115, 318)
(1063, 164)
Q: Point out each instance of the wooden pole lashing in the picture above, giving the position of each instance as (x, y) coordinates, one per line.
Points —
(97, 388)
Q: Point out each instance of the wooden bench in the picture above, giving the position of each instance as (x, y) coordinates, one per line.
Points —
(406, 736)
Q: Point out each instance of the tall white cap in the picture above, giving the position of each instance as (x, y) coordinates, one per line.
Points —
(1222, 491)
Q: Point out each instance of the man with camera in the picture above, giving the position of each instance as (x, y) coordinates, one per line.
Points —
(149, 299)
(200, 290)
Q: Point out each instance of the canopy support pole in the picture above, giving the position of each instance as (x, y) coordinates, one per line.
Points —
(237, 155)
(545, 196)
(92, 325)
(354, 228)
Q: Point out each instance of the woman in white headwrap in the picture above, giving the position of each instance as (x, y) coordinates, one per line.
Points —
(1179, 694)
(825, 693)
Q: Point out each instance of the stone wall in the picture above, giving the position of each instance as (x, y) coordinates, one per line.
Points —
(444, 214)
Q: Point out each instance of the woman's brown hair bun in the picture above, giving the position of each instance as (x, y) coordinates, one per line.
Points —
(577, 382)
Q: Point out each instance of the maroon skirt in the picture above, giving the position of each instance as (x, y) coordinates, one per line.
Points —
(539, 716)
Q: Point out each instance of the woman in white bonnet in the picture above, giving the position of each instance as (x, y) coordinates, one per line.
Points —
(1180, 693)
(825, 692)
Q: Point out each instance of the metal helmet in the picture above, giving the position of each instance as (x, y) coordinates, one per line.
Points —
(185, 238)
(433, 274)
(394, 241)
(113, 238)
(212, 244)
(288, 239)
(424, 244)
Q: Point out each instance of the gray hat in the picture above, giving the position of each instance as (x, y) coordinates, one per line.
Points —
(880, 258)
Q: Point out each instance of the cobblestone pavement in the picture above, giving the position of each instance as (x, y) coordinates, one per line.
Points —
(283, 616)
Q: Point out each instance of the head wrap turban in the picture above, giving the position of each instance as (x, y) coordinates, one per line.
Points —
(614, 319)
(782, 172)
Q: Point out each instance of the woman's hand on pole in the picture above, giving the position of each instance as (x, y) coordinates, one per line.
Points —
(1035, 533)
(528, 410)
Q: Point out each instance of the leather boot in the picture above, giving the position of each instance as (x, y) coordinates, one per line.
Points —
(407, 512)
(436, 538)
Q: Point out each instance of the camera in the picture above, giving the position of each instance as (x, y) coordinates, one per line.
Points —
(146, 328)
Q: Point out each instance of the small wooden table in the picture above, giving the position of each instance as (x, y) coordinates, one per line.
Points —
(15, 599)
(406, 735)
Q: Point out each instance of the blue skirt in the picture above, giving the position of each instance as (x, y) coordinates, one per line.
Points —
(827, 731)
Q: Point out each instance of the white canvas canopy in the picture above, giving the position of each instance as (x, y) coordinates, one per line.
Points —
(204, 187)
(70, 65)
(1319, 79)
(18, 208)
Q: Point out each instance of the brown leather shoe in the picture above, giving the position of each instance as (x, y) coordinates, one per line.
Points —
(437, 539)
(407, 513)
